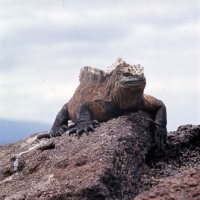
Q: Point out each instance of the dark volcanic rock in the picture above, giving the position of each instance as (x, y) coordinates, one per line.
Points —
(182, 186)
(114, 162)
(107, 164)
(181, 165)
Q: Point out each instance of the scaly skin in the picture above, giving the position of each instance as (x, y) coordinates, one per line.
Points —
(101, 96)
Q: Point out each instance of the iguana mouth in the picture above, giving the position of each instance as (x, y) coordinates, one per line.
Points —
(133, 82)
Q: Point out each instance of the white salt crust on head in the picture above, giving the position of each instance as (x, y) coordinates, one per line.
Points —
(133, 69)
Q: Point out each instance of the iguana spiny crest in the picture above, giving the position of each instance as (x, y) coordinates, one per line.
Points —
(88, 74)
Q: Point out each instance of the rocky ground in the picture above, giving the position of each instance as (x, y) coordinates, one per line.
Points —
(114, 162)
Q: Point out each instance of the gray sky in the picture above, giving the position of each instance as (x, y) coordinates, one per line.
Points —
(44, 43)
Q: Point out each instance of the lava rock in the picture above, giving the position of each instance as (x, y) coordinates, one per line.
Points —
(117, 161)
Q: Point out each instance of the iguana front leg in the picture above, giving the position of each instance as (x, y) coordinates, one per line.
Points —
(158, 110)
(60, 124)
(85, 119)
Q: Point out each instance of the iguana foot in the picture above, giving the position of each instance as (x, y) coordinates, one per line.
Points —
(58, 132)
(53, 133)
(84, 127)
(159, 136)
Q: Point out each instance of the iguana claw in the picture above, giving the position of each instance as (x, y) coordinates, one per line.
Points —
(84, 127)
(58, 132)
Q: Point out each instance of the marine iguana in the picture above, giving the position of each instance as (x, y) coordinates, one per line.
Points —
(102, 95)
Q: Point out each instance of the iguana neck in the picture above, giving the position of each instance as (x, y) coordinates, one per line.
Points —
(126, 98)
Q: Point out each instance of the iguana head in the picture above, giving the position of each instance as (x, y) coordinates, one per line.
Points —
(129, 76)
(126, 84)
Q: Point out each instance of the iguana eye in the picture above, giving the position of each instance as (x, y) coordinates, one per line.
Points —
(126, 74)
